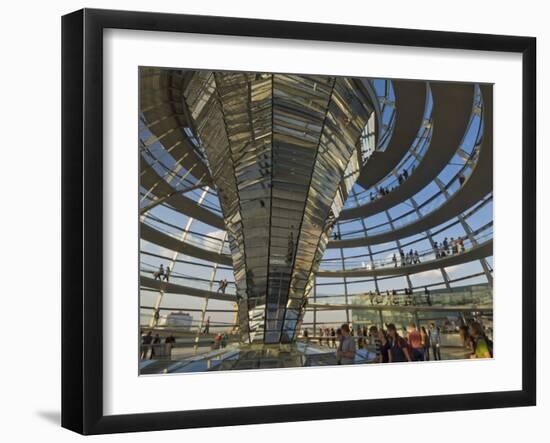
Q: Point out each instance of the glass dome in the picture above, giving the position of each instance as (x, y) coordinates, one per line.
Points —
(411, 243)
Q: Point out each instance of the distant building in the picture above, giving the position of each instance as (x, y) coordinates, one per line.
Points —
(180, 320)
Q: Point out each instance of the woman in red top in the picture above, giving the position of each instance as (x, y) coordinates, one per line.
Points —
(415, 341)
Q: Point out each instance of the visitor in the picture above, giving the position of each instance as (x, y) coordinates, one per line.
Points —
(384, 347)
(160, 273)
(483, 347)
(338, 340)
(206, 329)
(436, 249)
(305, 334)
(170, 339)
(405, 174)
(415, 342)
(465, 337)
(398, 348)
(360, 337)
(169, 343)
(461, 179)
(416, 257)
(156, 341)
(217, 341)
(347, 348)
(455, 246)
(375, 340)
(435, 341)
(408, 297)
(222, 286)
(461, 245)
(427, 294)
(321, 334)
(425, 343)
(394, 259)
(333, 336)
(446, 246)
(402, 254)
(146, 341)
(167, 274)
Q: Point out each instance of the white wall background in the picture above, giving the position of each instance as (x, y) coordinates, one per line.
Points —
(30, 234)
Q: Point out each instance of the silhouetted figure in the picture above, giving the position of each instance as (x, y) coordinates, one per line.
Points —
(156, 341)
(160, 273)
(222, 287)
(167, 274)
(427, 294)
(146, 340)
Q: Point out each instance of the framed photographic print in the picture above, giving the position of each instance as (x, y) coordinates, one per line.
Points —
(270, 221)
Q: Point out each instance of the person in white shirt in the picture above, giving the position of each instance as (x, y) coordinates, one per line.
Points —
(347, 348)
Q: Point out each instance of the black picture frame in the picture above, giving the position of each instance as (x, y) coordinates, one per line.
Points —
(82, 219)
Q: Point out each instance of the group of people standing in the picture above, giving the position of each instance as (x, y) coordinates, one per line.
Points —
(449, 247)
(220, 340)
(389, 345)
(342, 339)
(385, 190)
(443, 249)
(414, 345)
(410, 258)
(150, 343)
(161, 273)
(394, 299)
(327, 335)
